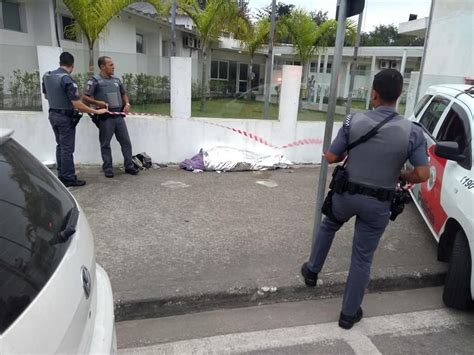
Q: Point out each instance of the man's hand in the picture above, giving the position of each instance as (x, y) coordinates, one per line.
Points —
(126, 108)
(333, 158)
(102, 104)
(101, 111)
(417, 175)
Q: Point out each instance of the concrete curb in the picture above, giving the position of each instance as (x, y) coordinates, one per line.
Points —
(244, 297)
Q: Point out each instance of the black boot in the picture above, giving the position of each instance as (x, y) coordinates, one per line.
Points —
(347, 322)
(310, 278)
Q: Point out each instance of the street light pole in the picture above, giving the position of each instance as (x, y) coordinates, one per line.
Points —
(336, 66)
(355, 59)
(269, 69)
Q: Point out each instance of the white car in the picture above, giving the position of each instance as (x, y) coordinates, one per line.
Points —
(446, 200)
(54, 297)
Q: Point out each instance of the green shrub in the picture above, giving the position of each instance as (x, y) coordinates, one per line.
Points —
(146, 89)
(25, 89)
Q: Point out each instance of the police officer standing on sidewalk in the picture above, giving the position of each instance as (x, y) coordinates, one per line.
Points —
(372, 171)
(64, 103)
(106, 90)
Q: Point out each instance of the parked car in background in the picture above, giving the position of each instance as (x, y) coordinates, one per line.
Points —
(54, 297)
(446, 200)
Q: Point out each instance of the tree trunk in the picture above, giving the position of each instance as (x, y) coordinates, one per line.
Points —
(203, 78)
(91, 59)
(249, 79)
(304, 78)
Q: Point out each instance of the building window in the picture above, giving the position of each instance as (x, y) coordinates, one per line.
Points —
(67, 24)
(219, 70)
(10, 16)
(328, 69)
(140, 43)
(165, 48)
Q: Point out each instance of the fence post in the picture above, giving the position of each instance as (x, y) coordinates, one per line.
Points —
(48, 59)
(181, 76)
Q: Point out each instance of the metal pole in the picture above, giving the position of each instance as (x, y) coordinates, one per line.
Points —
(173, 29)
(355, 59)
(422, 68)
(269, 70)
(341, 29)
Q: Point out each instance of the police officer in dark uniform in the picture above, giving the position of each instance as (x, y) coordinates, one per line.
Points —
(64, 105)
(106, 90)
(373, 170)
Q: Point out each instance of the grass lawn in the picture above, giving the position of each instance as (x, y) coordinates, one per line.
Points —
(361, 105)
(232, 108)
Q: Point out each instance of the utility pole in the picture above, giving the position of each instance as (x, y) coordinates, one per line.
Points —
(336, 66)
(269, 70)
(427, 39)
(355, 59)
(173, 29)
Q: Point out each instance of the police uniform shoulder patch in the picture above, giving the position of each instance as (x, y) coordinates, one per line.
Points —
(347, 120)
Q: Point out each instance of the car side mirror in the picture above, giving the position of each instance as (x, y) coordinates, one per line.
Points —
(449, 151)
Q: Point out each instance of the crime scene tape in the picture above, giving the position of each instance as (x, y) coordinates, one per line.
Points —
(252, 136)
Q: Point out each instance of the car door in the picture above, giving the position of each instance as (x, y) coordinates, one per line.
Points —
(458, 179)
(428, 194)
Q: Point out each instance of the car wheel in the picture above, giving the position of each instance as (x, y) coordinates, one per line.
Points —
(457, 289)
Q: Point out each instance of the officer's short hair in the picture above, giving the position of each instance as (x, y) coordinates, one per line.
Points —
(389, 84)
(66, 59)
(101, 60)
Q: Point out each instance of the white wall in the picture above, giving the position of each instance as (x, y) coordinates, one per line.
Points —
(450, 47)
(164, 139)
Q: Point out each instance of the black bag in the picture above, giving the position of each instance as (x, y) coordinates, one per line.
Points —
(142, 161)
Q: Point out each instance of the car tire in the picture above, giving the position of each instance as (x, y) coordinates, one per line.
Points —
(457, 288)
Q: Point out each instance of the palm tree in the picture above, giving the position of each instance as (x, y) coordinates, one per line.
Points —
(308, 38)
(252, 38)
(210, 18)
(91, 17)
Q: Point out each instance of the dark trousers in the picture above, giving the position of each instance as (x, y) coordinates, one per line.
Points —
(65, 133)
(107, 128)
(372, 217)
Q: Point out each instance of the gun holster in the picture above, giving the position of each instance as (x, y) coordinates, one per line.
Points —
(337, 185)
(339, 179)
(397, 205)
(75, 117)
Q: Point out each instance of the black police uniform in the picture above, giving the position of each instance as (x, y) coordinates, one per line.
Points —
(60, 90)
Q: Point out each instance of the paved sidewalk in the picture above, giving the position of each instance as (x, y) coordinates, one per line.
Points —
(174, 242)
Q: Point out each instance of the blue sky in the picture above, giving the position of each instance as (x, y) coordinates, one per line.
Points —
(377, 12)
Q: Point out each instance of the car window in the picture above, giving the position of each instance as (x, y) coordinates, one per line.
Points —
(419, 106)
(33, 205)
(455, 128)
(433, 113)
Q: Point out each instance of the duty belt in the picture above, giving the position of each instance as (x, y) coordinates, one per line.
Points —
(62, 112)
(380, 193)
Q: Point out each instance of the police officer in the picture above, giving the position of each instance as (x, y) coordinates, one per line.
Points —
(64, 103)
(373, 171)
(106, 90)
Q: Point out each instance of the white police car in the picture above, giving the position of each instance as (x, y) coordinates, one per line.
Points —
(54, 297)
(446, 200)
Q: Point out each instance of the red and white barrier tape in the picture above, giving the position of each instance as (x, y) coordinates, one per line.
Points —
(252, 136)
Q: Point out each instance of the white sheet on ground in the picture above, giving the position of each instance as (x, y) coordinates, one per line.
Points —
(233, 159)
